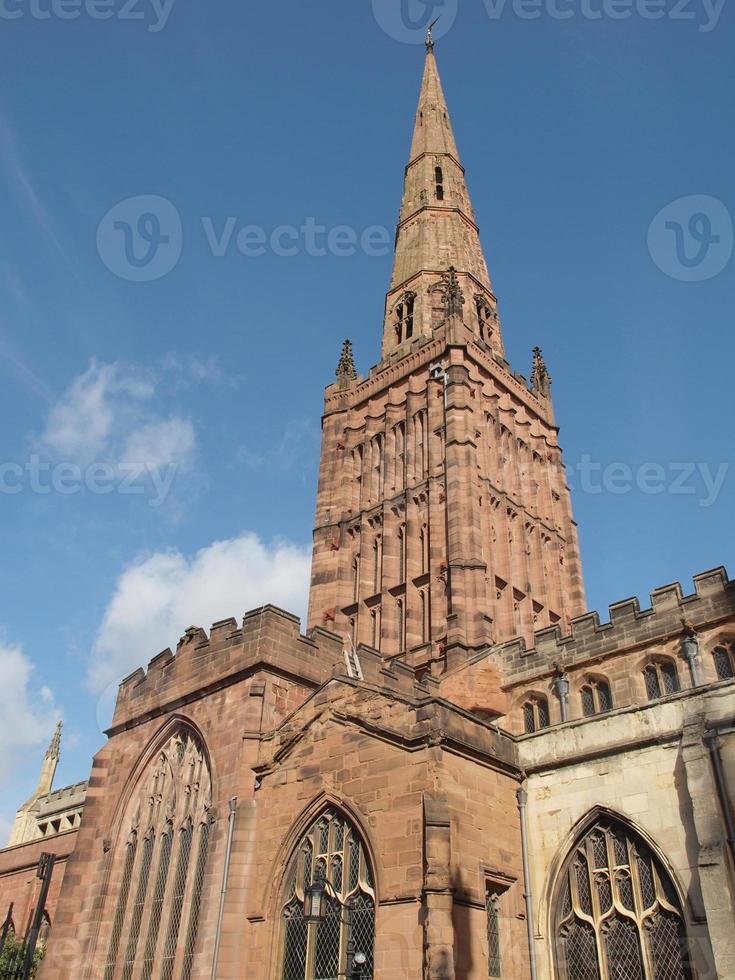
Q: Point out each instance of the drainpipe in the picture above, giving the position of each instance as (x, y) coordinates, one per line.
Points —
(710, 738)
(522, 797)
(223, 892)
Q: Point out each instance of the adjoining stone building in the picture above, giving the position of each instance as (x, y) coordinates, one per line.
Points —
(47, 822)
(474, 776)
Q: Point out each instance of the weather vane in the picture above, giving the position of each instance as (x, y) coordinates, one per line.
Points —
(429, 35)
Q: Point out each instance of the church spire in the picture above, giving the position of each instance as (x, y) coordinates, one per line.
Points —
(436, 231)
(50, 762)
(433, 129)
(54, 749)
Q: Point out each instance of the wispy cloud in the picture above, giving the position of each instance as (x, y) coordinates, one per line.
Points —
(17, 170)
(107, 414)
(23, 373)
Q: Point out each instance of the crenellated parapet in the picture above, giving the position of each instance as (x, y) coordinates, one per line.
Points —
(629, 628)
(270, 640)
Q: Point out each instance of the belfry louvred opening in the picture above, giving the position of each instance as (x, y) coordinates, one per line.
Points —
(455, 772)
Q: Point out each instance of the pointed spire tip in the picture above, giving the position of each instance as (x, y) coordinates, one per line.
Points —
(430, 36)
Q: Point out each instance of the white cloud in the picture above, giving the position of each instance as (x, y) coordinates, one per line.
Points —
(159, 444)
(107, 415)
(27, 711)
(158, 596)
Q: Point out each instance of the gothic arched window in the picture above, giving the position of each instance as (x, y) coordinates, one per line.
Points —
(404, 317)
(161, 865)
(661, 678)
(596, 697)
(331, 848)
(724, 658)
(617, 912)
(535, 714)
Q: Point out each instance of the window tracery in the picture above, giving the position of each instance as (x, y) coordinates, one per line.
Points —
(166, 822)
(661, 678)
(618, 915)
(332, 848)
(535, 713)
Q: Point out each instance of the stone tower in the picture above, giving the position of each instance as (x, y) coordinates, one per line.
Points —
(25, 825)
(443, 519)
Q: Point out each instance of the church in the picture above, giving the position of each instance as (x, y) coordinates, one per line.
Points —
(455, 771)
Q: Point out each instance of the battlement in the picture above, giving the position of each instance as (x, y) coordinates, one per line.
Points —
(268, 636)
(629, 626)
(269, 639)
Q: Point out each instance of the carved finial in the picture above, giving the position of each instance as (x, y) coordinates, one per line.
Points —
(540, 377)
(54, 749)
(346, 366)
(453, 296)
(430, 36)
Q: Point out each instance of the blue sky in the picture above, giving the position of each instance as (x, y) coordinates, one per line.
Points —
(576, 130)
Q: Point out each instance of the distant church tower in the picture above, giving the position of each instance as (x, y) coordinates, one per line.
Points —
(443, 519)
(25, 826)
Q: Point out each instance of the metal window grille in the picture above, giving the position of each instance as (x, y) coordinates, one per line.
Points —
(138, 907)
(327, 942)
(581, 953)
(543, 713)
(177, 903)
(154, 923)
(623, 950)
(723, 664)
(529, 717)
(196, 902)
(667, 947)
(604, 696)
(319, 951)
(363, 929)
(653, 687)
(494, 968)
(294, 943)
(122, 904)
(670, 678)
(595, 938)
(588, 700)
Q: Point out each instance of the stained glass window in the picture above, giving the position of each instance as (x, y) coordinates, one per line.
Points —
(618, 914)
(319, 951)
(162, 879)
